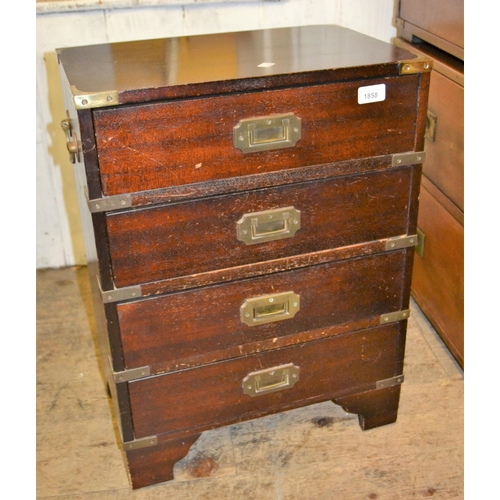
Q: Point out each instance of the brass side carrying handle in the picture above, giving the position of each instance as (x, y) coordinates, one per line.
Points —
(269, 308)
(268, 225)
(270, 380)
(71, 140)
(266, 133)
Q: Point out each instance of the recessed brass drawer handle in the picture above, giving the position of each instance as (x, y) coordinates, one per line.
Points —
(269, 308)
(267, 132)
(270, 380)
(269, 225)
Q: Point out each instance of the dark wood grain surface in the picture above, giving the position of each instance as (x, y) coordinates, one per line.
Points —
(188, 238)
(211, 396)
(179, 142)
(184, 329)
(188, 66)
(167, 139)
(155, 464)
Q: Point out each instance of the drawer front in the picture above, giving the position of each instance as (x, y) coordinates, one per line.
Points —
(438, 274)
(444, 162)
(200, 236)
(184, 329)
(443, 19)
(144, 147)
(213, 394)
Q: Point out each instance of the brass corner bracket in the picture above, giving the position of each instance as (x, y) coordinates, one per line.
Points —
(88, 100)
(417, 65)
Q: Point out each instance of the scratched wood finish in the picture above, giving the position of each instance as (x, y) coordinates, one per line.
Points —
(262, 268)
(189, 238)
(165, 68)
(156, 464)
(259, 181)
(153, 465)
(211, 395)
(160, 331)
(171, 143)
(317, 448)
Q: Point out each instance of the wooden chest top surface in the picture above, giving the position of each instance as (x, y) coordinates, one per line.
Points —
(145, 70)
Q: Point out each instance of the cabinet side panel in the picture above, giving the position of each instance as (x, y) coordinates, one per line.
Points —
(109, 359)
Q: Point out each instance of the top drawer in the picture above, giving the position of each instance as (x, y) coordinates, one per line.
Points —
(184, 141)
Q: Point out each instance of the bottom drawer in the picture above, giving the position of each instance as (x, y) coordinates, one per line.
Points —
(214, 395)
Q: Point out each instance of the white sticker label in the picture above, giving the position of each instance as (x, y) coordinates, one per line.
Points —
(372, 93)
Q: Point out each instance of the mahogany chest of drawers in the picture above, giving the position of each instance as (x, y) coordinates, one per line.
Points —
(250, 203)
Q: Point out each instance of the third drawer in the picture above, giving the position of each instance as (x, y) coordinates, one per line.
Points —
(207, 324)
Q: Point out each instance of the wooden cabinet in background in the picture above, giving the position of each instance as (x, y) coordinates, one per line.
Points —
(435, 30)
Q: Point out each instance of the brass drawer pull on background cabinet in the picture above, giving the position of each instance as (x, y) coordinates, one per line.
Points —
(269, 308)
(430, 126)
(270, 380)
(269, 225)
(267, 132)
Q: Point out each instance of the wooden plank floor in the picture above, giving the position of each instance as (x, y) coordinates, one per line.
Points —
(318, 452)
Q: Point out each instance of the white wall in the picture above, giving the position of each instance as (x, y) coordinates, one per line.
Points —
(59, 24)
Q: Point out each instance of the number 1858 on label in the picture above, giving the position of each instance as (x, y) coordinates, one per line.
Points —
(372, 93)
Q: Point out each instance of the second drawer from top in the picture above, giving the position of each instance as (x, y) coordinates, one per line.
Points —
(165, 242)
